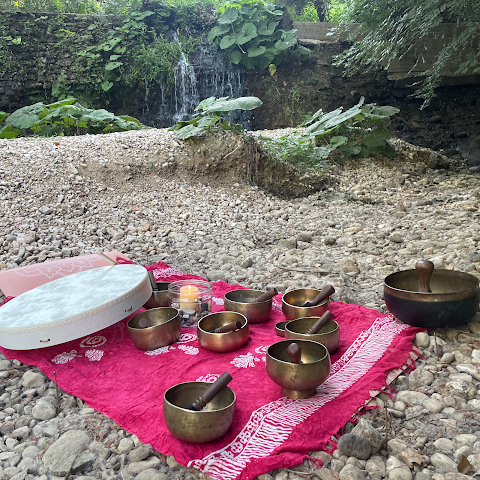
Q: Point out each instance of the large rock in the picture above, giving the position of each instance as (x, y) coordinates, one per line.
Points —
(44, 411)
(351, 472)
(397, 470)
(422, 340)
(32, 379)
(444, 463)
(137, 467)
(365, 429)
(140, 453)
(354, 446)
(413, 398)
(444, 445)
(375, 467)
(151, 474)
(465, 439)
(64, 455)
(420, 378)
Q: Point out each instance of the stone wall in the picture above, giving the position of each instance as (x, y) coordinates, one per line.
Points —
(46, 53)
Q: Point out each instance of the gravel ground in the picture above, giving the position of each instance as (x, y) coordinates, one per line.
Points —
(77, 195)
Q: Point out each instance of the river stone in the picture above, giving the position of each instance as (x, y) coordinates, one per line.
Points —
(31, 451)
(324, 474)
(457, 476)
(442, 462)
(396, 446)
(413, 398)
(140, 453)
(151, 474)
(28, 465)
(44, 411)
(460, 388)
(323, 456)
(365, 429)
(137, 467)
(447, 357)
(288, 242)
(397, 470)
(422, 340)
(336, 465)
(32, 379)
(433, 405)
(354, 446)
(467, 368)
(444, 445)
(464, 451)
(63, 455)
(351, 472)
(465, 439)
(375, 467)
(9, 472)
(125, 446)
(21, 432)
(420, 377)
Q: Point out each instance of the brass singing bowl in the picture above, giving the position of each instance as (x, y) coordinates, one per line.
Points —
(159, 298)
(298, 380)
(222, 342)
(203, 426)
(280, 328)
(242, 301)
(292, 304)
(329, 334)
(453, 301)
(163, 328)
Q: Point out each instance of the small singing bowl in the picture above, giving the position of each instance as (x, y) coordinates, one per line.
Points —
(162, 328)
(298, 380)
(159, 297)
(242, 301)
(280, 328)
(329, 334)
(222, 342)
(292, 304)
(203, 426)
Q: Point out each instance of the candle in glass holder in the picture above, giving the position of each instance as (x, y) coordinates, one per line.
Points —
(188, 297)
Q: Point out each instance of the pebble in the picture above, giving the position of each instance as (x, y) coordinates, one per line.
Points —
(375, 219)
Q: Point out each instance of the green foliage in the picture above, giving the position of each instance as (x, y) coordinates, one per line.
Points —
(209, 116)
(389, 30)
(54, 6)
(250, 34)
(307, 14)
(66, 117)
(356, 132)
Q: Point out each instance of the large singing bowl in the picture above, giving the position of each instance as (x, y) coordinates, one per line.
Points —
(453, 300)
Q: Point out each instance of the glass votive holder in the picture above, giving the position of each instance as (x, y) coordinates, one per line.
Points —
(192, 298)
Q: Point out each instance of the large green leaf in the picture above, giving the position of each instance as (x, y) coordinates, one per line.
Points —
(225, 106)
(236, 57)
(216, 31)
(267, 29)
(106, 85)
(377, 137)
(228, 16)
(256, 51)
(227, 41)
(97, 116)
(61, 103)
(303, 50)
(112, 65)
(288, 40)
(9, 132)
(189, 131)
(249, 31)
(26, 117)
(248, 10)
(3, 116)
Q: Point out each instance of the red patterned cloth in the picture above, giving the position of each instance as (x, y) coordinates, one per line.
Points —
(269, 431)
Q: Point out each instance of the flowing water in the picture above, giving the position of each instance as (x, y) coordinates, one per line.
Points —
(210, 74)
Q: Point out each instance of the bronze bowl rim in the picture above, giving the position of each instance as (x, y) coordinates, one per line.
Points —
(152, 326)
(327, 354)
(226, 333)
(299, 306)
(246, 303)
(198, 411)
(432, 296)
(285, 325)
(313, 334)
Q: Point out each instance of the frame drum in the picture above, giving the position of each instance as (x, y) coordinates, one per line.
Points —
(73, 306)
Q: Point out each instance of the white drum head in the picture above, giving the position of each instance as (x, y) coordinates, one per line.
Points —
(73, 306)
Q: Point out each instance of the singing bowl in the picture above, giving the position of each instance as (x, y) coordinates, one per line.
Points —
(159, 298)
(222, 342)
(298, 380)
(329, 334)
(242, 301)
(163, 328)
(197, 427)
(292, 304)
(453, 301)
(280, 328)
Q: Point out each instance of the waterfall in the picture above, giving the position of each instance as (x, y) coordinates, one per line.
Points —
(210, 74)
